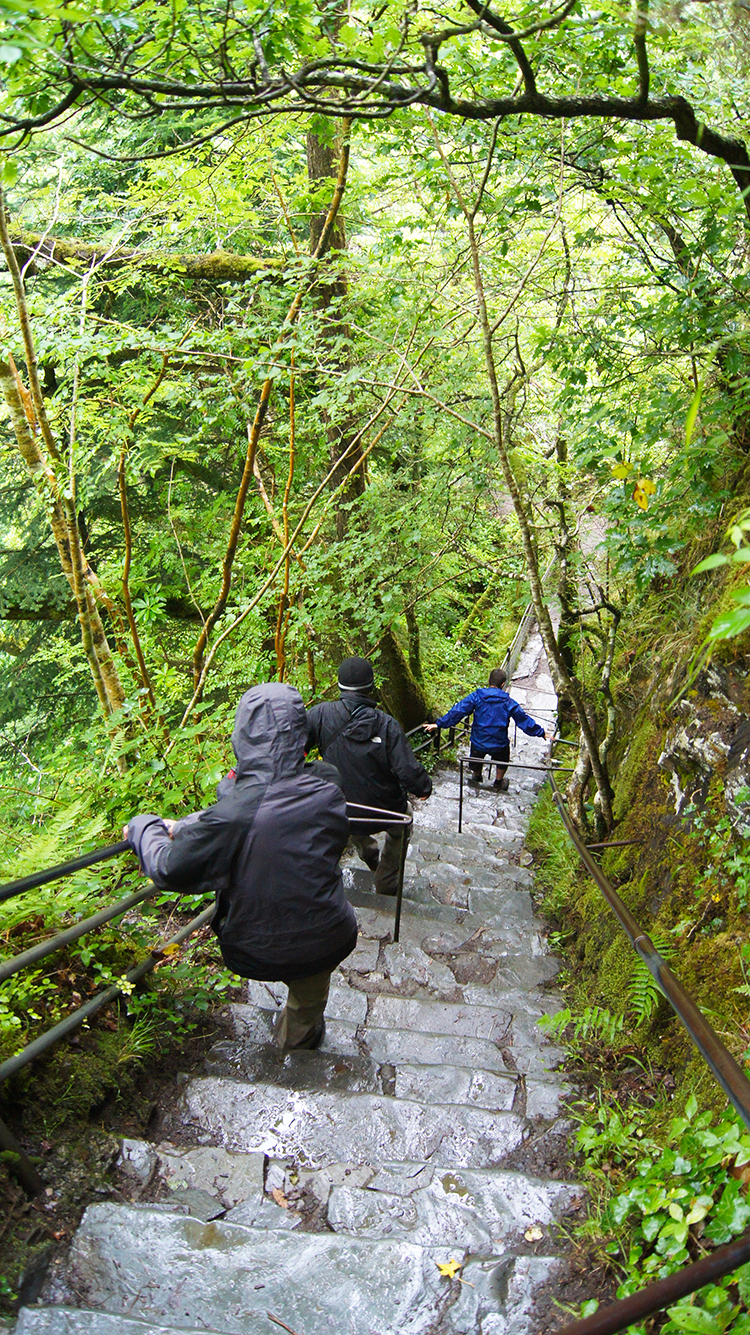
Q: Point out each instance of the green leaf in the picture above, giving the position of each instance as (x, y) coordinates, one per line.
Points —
(696, 1319)
(728, 625)
(742, 1279)
(692, 415)
(710, 563)
(588, 1308)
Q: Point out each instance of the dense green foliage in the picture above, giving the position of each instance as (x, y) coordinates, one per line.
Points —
(227, 457)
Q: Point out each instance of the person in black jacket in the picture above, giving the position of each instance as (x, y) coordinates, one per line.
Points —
(377, 766)
(269, 848)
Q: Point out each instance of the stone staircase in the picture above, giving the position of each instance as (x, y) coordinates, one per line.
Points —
(323, 1191)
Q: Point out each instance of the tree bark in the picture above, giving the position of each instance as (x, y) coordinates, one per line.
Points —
(28, 413)
(46, 483)
(329, 294)
(401, 693)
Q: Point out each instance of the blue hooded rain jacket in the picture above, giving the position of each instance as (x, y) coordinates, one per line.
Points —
(492, 709)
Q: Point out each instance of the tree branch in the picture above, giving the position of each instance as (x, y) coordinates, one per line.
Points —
(639, 41)
(36, 252)
(481, 9)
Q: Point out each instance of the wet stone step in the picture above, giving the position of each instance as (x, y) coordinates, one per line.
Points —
(513, 907)
(533, 1053)
(365, 898)
(491, 855)
(420, 922)
(407, 966)
(261, 1064)
(426, 1017)
(484, 1212)
(160, 1269)
(454, 1084)
(397, 1047)
(426, 852)
(225, 1178)
(71, 1321)
(358, 1075)
(436, 839)
(520, 973)
(319, 1127)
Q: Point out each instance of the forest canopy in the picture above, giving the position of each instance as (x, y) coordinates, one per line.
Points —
(324, 329)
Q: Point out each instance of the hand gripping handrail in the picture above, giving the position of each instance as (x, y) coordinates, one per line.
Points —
(372, 814)
(366, 818)
(655, 1297)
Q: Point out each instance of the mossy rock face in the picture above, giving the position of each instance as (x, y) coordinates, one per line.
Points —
(616, 972)
(75, 1080)
(640, 755)
(679, 877)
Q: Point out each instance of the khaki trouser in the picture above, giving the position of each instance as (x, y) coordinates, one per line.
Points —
(386, 875)
(303, 1012)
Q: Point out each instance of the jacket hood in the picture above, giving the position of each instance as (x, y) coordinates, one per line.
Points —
(364, 716)
(270, 733)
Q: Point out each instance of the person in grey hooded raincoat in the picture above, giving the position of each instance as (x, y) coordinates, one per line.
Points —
(269, 849)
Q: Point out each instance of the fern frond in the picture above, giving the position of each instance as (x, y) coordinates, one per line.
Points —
(643, 993)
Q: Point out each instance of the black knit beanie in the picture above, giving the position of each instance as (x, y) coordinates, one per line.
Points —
(356, 674)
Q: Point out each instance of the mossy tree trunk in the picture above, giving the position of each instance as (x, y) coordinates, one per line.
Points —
(401, 693)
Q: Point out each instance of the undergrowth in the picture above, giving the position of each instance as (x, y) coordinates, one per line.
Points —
(664, 1190)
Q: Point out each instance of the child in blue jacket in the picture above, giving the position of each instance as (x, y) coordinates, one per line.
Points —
(491, 708)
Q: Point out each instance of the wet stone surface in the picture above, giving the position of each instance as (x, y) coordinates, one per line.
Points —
(327, 1187)
(317, 1127)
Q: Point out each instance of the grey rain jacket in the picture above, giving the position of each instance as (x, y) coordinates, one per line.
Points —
(377, 765)
(269, 848)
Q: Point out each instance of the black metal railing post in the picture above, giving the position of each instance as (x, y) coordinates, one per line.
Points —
(400, 891)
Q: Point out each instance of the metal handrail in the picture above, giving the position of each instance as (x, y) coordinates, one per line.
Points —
(72, 1021)
(65, 869)
(660, 1295)
(32, 956)
(27, 1173)
(655, 1297)
(368, 819)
